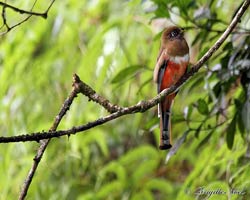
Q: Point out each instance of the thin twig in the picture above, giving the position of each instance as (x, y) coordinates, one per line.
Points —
(30, 14)
(44, 143)
(19, 23)
(4, 19)
(21, 11)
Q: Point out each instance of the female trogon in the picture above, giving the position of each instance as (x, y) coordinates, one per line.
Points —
(171, 65)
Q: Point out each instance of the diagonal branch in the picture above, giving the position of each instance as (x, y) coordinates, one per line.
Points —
(78, 87)
(44, 143)
(140, 107)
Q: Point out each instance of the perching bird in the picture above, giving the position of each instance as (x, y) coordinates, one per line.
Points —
(171, 65)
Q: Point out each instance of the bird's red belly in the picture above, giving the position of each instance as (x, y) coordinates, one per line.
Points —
(174, 71)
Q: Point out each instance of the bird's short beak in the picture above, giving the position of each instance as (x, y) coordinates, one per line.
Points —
(182, 32)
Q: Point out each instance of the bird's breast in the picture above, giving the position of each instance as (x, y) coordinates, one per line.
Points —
(176, 68)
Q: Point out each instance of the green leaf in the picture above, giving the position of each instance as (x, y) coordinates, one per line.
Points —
(157, 184)
(151, 123)
(198, 37)
(157, 37)
(99, 138)
(139, 154)
(110, 190)
(224, 61)
(238, 104)
(161, 10)
(126, 73)
(189, 112)
(202, 107)
(197, 81)
(228, 46)
(203, 51)
(143, 169)
(178, 119)
(144, 84)
(197, 132)
(230, 133)
(206, 139)
(240, 121)
(217, 89)
(144, 194)
(240, 124)
(113, 168)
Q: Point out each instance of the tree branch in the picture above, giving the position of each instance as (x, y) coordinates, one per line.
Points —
(92, 95)
(78, 87)
(21, 11)
(44, 143)
(117, 111)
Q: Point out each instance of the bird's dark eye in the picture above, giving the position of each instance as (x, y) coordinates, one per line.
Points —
(174, 33)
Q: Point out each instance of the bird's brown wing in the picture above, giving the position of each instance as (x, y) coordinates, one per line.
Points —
(161, 62)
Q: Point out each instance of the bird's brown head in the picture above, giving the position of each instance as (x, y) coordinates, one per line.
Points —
(173, 40)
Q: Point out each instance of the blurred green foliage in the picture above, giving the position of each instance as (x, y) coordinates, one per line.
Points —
(113, 46)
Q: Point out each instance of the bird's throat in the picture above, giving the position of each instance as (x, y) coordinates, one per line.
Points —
(180, 59)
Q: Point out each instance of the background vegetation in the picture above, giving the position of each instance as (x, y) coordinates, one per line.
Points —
(113, 46)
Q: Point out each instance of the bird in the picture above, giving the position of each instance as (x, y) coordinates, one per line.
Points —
(171, 65)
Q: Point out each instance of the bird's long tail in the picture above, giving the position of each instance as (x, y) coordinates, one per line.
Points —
(165, 123)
